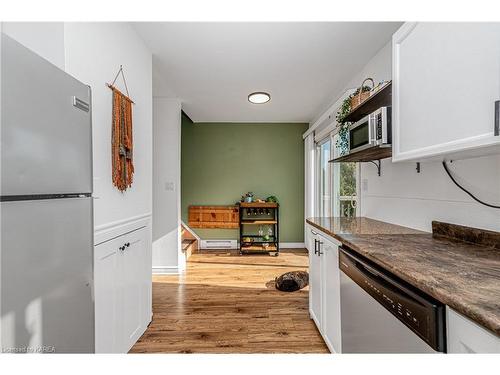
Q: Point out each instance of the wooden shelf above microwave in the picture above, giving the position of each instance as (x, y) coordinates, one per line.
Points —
(382, 98)
(370, 154)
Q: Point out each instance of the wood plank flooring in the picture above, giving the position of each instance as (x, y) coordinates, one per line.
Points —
(226, 303)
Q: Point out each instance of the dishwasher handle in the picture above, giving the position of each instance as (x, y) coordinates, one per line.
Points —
(356, 267)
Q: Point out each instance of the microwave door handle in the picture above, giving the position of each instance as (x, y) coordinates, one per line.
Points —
(371, 139)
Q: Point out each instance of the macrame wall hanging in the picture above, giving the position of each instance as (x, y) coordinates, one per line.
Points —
(122, 145)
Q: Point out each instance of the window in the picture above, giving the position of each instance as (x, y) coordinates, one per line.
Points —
(324, 179)
(345, 189)
(336, 183)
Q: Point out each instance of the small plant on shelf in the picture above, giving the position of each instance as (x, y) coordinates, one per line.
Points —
(342, 142)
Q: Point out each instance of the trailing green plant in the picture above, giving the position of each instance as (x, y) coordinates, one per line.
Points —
(342, 142)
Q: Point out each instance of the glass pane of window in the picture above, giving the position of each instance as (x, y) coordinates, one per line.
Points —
(325, 180)
(347, 190)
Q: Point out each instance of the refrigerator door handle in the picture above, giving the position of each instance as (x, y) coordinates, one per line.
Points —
(80, 104)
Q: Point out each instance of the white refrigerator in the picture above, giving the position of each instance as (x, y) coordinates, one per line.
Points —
(46, 207)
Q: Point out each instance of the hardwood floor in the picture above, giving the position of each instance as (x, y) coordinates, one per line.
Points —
(226, 303)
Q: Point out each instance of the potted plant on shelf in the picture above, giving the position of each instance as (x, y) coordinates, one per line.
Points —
(356, 98)
(248, 197)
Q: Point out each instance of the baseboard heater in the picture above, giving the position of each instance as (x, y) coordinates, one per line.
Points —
(218, 244)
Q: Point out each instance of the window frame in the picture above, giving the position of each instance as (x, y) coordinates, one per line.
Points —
(334, 170)
(318, 198)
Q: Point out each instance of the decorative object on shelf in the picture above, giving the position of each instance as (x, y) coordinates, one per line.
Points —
(362, 93)
(292, 281)
(248, 197)
(380, 85)
(247, 239)
(121, 136)
(272, 199)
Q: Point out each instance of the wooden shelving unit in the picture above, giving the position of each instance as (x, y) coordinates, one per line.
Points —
(375, 153)
(258, 214)
(381, 98)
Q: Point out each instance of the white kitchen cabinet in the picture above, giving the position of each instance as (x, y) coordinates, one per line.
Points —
(324, 286)
(446, 79)
(122, 284)
(315, 284)
(331, 294)
(465, 336)
(106, 296)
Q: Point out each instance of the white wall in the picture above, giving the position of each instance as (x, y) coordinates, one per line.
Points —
(44, 38)
(167, 255)
(93, 54)
(402, 196)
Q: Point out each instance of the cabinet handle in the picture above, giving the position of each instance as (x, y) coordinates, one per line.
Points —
(127, 244)
(496, 131)
(122, 248)
(319, 248)
(315, 246)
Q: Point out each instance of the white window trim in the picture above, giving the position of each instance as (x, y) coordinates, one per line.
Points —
(317, 195)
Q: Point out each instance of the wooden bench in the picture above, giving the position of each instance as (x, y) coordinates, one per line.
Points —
(219, 217)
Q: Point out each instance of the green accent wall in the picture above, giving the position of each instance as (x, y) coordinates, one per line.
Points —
(222, 161)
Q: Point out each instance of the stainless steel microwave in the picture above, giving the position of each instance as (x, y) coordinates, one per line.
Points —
(371, 131)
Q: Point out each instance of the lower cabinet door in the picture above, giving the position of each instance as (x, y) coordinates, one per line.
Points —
(132, 296)
(331, 295)
(106, 257)
(466, 336)
(314, 282)
(122, 285)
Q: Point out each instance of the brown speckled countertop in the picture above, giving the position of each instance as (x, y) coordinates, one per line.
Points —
(462, 275)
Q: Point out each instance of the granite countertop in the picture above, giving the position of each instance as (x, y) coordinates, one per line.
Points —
(460, 274)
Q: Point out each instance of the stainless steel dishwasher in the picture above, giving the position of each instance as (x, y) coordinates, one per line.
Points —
(382, 314)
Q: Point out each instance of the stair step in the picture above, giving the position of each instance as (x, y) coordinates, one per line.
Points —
(186, 243)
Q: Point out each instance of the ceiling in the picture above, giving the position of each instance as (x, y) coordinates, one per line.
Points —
(213, 67)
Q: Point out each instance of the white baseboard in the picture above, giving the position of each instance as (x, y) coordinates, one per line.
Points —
(233, 244)
(168, 270)
(218, 244)
(292, 245)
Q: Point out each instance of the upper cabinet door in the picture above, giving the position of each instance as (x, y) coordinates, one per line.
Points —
(446, 79)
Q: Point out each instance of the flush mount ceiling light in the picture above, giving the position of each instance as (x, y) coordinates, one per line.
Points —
(259, 97)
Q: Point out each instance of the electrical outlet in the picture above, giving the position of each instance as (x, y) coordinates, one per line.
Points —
(169, 186)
